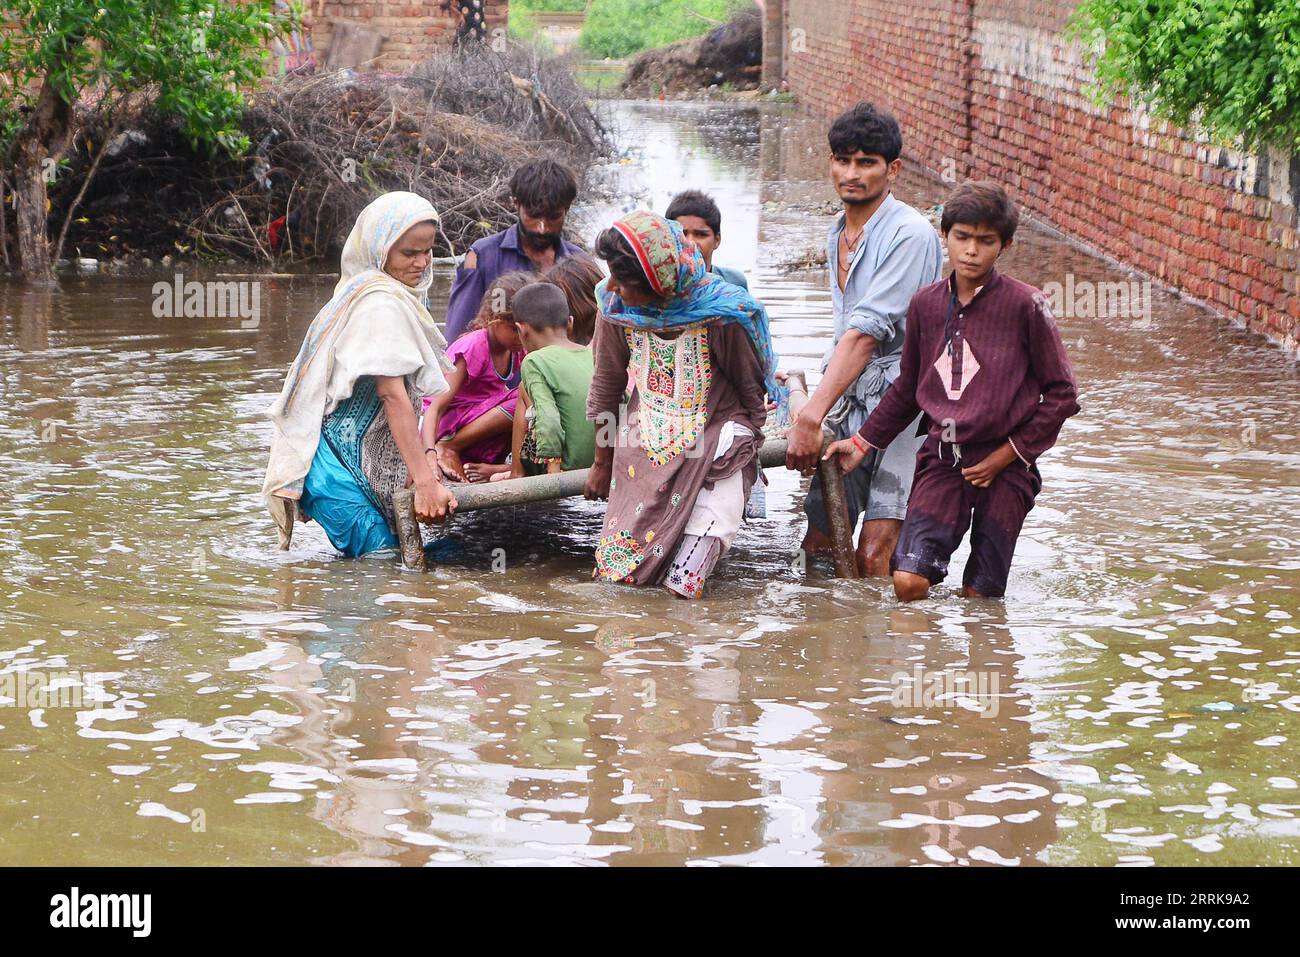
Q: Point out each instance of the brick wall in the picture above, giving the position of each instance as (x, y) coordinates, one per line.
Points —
(987, 88)
(412, 29)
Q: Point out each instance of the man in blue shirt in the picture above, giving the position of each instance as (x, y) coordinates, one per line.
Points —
(880, 253)
(542, 192)
(701, 221)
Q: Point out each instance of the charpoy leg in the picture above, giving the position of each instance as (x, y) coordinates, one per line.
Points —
(856, 489)
(408, 530)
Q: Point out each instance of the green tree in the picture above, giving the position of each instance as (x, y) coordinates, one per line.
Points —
(197, 58)
(1229, 67)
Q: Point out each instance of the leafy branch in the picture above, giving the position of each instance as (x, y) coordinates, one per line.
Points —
(1228, 67)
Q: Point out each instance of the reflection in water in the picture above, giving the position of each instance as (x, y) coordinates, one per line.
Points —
(1132, 701)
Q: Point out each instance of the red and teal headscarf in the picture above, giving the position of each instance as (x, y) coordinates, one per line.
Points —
(690, 294)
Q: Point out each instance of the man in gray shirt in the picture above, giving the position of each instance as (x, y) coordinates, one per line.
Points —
(880, 251)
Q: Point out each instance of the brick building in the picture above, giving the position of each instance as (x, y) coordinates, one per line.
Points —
(408, 30)
(989, 89)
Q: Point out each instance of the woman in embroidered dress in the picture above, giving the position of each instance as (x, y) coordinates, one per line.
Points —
(345, 434)
(678, 469)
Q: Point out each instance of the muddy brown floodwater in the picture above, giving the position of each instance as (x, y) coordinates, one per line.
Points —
(174, 690)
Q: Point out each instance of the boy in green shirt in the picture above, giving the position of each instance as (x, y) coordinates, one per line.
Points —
(553, 434)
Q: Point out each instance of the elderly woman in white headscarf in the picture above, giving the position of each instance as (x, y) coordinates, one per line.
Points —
(346, 433)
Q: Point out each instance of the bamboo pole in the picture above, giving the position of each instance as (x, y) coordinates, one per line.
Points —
(521, 491)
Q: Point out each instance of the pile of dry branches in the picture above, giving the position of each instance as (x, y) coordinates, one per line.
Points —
(323, 146)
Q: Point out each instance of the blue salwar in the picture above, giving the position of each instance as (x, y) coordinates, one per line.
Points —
(336, 495)
(332, 499)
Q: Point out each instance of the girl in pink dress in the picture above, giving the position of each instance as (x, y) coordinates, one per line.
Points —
(471, 422)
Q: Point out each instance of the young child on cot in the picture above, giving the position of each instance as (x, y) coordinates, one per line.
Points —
(469, 425)
(983, 359)
(551, 432)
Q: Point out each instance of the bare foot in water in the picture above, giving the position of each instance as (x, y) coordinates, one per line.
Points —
(484, 471)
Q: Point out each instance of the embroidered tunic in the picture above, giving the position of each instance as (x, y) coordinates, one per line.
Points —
(684, 390)
(672, 377)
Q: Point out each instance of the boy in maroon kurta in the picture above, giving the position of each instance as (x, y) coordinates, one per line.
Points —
(982, 358)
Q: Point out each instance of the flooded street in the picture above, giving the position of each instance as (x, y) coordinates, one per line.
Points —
(1134, 700)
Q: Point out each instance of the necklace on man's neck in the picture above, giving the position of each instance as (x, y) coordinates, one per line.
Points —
(850, 248)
